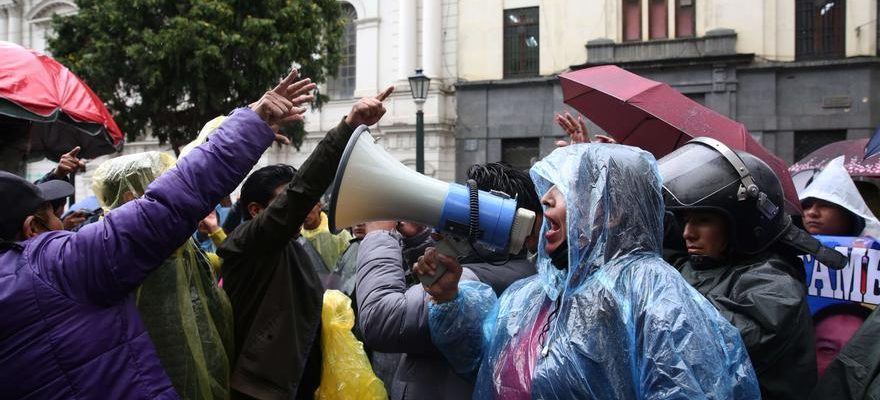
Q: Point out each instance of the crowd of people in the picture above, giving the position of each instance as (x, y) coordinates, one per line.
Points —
(641, 279)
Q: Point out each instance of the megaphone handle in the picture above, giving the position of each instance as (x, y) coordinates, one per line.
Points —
(448, 247)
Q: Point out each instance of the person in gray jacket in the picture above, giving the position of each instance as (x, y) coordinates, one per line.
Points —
(393, 316)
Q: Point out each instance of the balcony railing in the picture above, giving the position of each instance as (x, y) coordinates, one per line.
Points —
(716, 42)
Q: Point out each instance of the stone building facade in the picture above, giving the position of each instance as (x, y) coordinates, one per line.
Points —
(798, 73)
(385, 42)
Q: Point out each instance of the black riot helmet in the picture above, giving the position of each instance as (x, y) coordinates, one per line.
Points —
(705, 174)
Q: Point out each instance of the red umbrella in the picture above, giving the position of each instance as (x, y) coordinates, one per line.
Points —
(855, 161)
(652, 115)
(65, 111)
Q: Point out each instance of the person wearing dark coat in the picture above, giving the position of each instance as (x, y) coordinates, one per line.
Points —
(739, 251)
(276, 293)
(763, 296)
(392, 312)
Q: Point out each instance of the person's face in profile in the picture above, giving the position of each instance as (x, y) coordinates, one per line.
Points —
(554, 213)
(705, 234)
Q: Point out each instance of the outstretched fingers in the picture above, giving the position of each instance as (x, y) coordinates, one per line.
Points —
(580, 135)
(300, 88)
(284, 85)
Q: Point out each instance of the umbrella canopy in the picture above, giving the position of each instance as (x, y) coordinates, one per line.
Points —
(854, 158)
(640, 112)
(64, 110)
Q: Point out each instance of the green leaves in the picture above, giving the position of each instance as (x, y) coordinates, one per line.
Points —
(171, 66)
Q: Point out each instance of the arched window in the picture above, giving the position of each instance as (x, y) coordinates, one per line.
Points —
(341, 86)
(39, 20)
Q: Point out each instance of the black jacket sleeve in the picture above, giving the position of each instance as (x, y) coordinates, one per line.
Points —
(276, 225)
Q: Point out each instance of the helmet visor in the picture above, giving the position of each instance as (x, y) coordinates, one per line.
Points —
(693, 173)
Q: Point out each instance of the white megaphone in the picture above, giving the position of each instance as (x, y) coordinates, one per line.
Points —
(371, 185)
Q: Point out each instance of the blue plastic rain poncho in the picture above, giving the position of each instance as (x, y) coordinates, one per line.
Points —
(618, 323)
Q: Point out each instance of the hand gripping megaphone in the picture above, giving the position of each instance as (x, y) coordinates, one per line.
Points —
(371, 185)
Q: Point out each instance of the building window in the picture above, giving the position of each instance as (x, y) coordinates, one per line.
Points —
(341, 86)
(521, 42)
(685, 18)
(698, 97)
(821, 28)
(520, 153)
(632, 20)
(806, 142)
(657, 20)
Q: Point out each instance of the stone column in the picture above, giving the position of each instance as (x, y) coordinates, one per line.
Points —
(432, 38)
(367, 66)
(4, 24)
(407, 49)
(14, 24)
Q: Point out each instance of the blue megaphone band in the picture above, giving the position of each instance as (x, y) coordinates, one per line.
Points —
(496, 216)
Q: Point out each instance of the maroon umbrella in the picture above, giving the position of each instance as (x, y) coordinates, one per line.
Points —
(855, 161)
(652, 115)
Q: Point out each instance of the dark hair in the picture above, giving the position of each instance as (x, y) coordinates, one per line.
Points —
(260, 186)
(504, 178)
(852, 309)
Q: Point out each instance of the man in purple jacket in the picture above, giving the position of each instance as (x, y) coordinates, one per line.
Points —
(69, 328)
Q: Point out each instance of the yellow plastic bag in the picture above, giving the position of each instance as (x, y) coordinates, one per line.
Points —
(346, 371)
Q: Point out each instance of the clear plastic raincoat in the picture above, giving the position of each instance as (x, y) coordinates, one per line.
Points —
(188, 317)
(833, 184)
(618, 323)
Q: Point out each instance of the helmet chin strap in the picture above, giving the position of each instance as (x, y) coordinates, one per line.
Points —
(747, 188)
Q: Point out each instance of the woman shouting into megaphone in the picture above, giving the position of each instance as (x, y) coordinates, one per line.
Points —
(605, 317)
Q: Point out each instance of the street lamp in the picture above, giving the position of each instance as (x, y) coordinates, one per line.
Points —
(418, 85)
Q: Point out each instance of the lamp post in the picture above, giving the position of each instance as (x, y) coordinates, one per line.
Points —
(418, 85)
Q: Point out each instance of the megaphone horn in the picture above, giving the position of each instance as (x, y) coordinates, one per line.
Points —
(371, 185)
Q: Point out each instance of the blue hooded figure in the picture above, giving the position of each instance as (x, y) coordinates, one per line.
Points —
(605, 317)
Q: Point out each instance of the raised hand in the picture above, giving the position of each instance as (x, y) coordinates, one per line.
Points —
(576, 129)
(368, 110)
(280, 106)
(69, 163)
(445, 288)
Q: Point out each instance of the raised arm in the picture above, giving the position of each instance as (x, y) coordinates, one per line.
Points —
(104, 261)
(277, 224)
